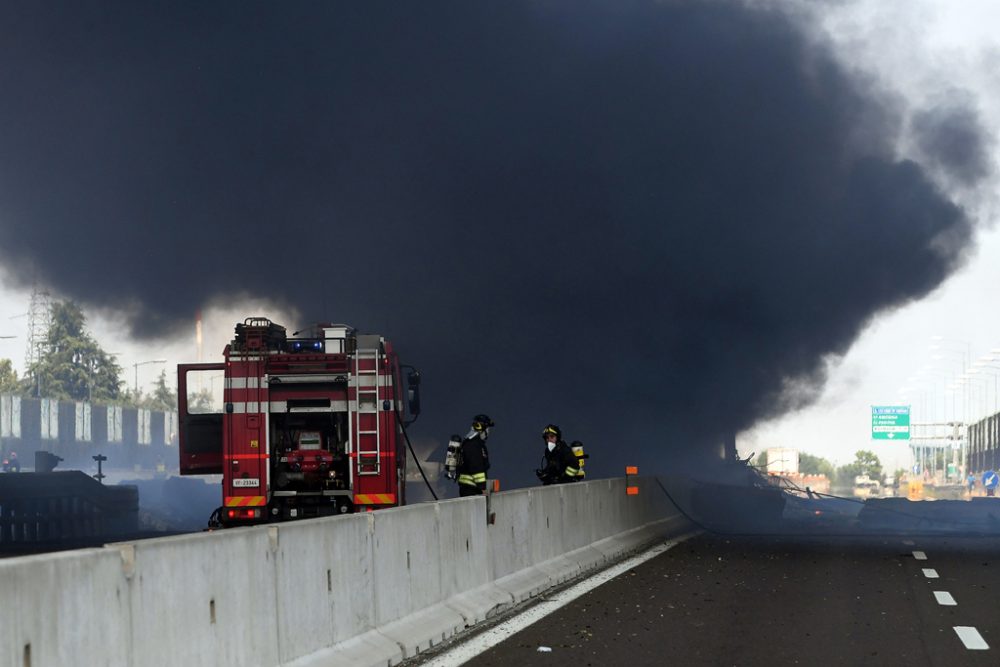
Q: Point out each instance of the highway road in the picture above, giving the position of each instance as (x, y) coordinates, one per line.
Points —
(716, 600)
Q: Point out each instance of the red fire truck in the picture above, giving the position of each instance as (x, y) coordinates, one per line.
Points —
(304, 426)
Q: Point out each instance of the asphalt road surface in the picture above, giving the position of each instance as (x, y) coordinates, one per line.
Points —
(715, 600)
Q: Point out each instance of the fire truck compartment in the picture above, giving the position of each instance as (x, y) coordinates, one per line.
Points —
(310, 471)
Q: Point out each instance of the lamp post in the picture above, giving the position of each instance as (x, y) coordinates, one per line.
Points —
(136, 365)
(941, 343)
(935, 376)
(978, 401)
(983, 363)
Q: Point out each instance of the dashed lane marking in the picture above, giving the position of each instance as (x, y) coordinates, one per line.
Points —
(944, 598)
(908, 543)
(920, 555)
(930, 573)
(971, 638)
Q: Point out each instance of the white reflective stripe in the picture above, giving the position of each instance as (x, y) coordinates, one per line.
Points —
(335, 406)
(307, 378)
(250, 407)
(254, 382)
(245, 383)
(241, 407)
(381, 406)
(369, 381)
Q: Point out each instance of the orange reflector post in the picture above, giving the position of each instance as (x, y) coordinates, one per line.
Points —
(496, 486)
(629, 471)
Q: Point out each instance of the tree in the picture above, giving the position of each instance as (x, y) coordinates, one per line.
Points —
(865, 463)
(9, 384)
(869, 463)
(73, 366)
(163, 397)
(202, 402)
(815, 465)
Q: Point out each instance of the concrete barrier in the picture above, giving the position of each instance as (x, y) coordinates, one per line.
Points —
(203, 599)
(69, 608)
(324, 570)
(408, 579)
(366, 589)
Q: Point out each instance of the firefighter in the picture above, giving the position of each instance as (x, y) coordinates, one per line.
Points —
(474, 458)
(561, 464)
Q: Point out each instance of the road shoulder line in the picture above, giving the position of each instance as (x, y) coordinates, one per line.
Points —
(486, 640)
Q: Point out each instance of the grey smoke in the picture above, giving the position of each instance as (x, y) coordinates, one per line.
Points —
(639, 220)
(950, 139)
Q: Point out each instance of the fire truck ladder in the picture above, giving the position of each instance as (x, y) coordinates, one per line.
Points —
(369, 441)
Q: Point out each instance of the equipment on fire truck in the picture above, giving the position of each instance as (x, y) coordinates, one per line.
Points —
(305, 426)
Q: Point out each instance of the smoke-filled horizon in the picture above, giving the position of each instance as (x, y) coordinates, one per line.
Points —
(647, 222)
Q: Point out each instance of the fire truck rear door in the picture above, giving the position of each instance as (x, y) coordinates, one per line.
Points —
(199, 418)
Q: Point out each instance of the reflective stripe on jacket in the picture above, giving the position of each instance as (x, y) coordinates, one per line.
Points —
(474, 479)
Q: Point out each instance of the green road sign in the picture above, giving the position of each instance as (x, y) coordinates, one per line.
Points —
(890, 422)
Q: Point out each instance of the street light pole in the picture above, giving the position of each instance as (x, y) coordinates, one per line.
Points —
(942, 343)
(982, 363)
(135, 387)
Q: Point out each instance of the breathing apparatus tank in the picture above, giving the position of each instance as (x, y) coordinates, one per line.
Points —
(452, 457)
(577, 448)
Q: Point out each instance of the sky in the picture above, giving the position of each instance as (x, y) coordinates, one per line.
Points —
(655, 224)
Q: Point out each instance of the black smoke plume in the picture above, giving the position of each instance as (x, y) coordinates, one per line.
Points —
(643, 221)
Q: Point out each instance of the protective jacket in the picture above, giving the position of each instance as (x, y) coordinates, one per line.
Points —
(475, 462)
(561, 465)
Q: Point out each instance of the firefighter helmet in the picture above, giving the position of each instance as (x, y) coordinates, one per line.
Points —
(481, 422)
(551, 429)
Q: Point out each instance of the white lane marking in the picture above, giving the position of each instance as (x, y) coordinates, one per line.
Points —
(908, 543)
(470, 649)
(944, 598)
(971, 638)
(930, 573)
(920, 555)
